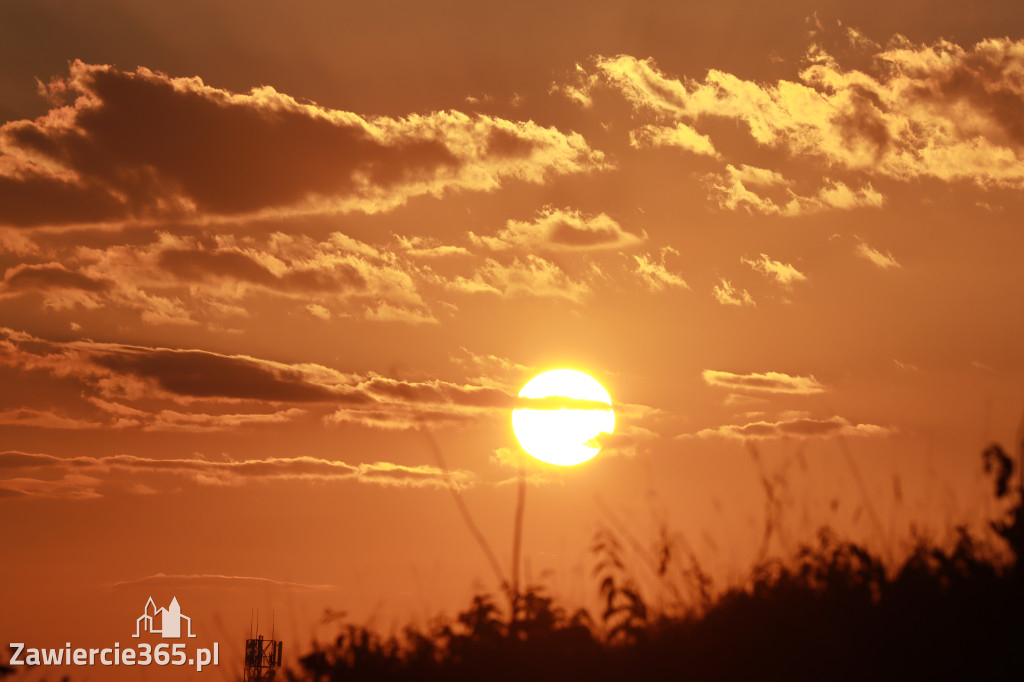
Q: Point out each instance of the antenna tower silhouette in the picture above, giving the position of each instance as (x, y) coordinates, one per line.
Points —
(262, 656)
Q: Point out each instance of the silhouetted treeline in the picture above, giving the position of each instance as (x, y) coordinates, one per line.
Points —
(832, 612)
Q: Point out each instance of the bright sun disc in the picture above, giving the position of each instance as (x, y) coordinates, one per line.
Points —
(563, 435)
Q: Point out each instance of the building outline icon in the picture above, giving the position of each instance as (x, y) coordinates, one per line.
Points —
(170, 620)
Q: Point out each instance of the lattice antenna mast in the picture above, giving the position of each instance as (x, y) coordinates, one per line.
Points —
(262, 656)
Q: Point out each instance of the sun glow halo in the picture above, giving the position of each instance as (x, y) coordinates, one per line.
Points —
(563, 435)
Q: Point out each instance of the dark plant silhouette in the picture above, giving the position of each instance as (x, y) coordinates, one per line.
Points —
(833, 611)
(1010, 528)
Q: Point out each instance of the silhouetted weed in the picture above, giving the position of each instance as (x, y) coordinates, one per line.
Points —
(832, 611)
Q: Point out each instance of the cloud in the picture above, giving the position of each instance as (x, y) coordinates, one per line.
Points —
(629, 438)
(535, 472)
(82, 475)
(215, 580)
(50, 276)
(492, 370)
(581, 90)
(425, 247)
(793, 428)
(69, 487)
(318, 310)
(386, 312)
(119, 416)
(560, 230)
(837, 195)
(400, 417)
(680, 135)
(529, 275)
(119, 380)
(133, 145)
(738, 399)
(882, 260)
(46, 419)
(17, 242)
(726, 294)
(655, 274)
(91, 288)
(907, 366)
(942, 110)
(174, 420)
(732, 190)
(199, 265)
(406, 406)
(536, 479)
(768, 382)
(60, 288)
(783, 273)
(435, 391)
(192, 374)
(184, 279)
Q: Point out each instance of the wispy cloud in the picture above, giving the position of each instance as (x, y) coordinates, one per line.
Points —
(426, 247)
(768, 382)
(318, 310)
(528, 276)
(492, 370)
(767, 192)
(560, 229)
(195, 422)
(386, 312)
(882, 260)
(726, 294)
(793, 428)
(680, 135)
(82, 475)
(654, 272)
(204, 389)
(46, 419)
(783, 273)
(907, 366)
(743, 400)
(177, 279)
(68, 487)
(216, 580)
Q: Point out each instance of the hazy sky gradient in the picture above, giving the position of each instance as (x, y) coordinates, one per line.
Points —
(247, 251)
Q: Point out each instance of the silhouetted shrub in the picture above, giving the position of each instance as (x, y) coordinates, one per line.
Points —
(832, 612)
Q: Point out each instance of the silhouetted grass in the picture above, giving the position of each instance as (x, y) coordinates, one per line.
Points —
(832, 611)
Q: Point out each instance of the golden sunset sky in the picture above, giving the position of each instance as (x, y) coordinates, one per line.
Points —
(249, 250)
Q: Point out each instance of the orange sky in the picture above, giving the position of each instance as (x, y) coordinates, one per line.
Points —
(246, 248)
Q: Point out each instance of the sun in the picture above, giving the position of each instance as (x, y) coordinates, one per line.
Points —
(563, 435)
